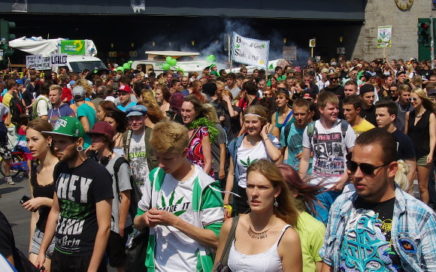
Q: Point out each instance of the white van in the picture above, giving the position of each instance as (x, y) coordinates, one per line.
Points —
(186, 61)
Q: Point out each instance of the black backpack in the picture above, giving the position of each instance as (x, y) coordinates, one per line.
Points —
(135, 194)
(17, 110)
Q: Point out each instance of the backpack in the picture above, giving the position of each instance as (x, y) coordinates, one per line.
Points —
(311, 129)
(135, 194)
(17, 110)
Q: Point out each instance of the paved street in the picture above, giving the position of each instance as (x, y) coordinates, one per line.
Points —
(17, 216)
(11, 207)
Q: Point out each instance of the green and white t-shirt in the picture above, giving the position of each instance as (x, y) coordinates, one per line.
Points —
(196, 201)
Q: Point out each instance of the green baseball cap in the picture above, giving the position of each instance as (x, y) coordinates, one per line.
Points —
(67, 126)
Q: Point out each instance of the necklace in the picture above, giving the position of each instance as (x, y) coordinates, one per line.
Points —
(257, 235)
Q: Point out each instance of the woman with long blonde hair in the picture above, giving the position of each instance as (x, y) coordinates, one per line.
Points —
(421, 128)
(264, 239)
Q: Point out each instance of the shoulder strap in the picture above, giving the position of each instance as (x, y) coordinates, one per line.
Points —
(283, 233)
(127, 136)
(286, 131)
(344, 128)
(117, 166)
(310, 129)
(230, 238)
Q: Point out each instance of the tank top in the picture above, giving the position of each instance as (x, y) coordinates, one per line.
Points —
(278, 125)
(420, 133)
(41, 191)
(267, 261)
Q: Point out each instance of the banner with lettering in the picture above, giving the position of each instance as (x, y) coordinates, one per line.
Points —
(250, 51)
(38, 62)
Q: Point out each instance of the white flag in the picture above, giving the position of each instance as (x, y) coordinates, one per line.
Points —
(250, 51)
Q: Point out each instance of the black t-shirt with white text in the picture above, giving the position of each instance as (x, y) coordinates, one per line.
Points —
(78, 190)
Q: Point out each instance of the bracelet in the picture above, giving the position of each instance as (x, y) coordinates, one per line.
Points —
(228, 208)
(265, 139)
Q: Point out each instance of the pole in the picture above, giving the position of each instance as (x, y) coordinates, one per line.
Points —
(230, 49)
(311, 52)
(432, 42)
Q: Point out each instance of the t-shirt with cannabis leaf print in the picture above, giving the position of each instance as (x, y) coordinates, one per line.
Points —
(246, 156)
(175, 251)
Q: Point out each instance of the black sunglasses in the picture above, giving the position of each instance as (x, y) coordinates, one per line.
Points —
(366, 168)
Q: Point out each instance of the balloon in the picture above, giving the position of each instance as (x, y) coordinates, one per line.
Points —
(168, 59)
(179, 69)
(130, 62)
(126, 66)
(119, 68)
(211, 58)
(173, 62)
(166, 67)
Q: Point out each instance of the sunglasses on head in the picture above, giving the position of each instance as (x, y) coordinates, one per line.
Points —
(366, 168)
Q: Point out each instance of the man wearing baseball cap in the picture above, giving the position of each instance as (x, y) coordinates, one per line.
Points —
(102, 144)
(81, 212)
(140, 154)
(124, 93)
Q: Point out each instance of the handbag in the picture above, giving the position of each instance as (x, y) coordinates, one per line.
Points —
(222, 265)
(137, 250)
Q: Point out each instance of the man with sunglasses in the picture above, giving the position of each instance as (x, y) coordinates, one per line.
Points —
(378, 226)
(334, 86)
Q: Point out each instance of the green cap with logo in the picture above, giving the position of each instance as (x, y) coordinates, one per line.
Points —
(68, 126)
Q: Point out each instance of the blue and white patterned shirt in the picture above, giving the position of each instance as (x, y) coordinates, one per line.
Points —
(413, 233)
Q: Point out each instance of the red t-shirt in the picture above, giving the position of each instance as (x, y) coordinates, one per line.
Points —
(66, 94)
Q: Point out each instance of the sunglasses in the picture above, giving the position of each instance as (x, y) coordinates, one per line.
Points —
(413, 99)
(366, 168)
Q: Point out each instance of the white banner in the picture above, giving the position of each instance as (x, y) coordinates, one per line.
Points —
(384, 36)
(250, 51)
(38, 62)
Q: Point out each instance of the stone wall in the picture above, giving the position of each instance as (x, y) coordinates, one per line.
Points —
(404, 29)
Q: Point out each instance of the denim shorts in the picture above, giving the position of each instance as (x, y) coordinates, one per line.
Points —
(37, 241)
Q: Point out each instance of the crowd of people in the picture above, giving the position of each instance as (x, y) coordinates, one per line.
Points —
(308, 168)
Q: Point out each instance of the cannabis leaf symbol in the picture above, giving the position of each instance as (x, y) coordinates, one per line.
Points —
(248, 162)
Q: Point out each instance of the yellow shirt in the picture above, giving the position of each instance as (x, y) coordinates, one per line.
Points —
(311, 232)
(362, 127)
(7, 100)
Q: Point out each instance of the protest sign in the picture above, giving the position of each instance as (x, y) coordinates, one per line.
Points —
(38, 62)
(250, 51)
(384, 36)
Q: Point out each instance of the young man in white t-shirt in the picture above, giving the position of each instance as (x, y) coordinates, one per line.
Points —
(42, 104)
(181, 204)
(330, 139)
